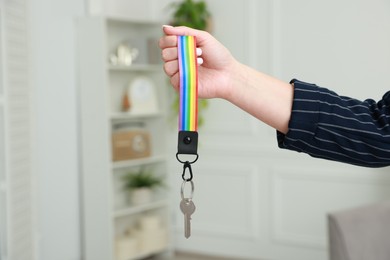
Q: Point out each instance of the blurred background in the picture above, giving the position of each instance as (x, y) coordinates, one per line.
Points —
(88, 131)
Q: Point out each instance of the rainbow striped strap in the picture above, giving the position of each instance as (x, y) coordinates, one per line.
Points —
(188, 101)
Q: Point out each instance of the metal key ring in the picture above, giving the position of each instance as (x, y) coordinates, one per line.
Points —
(183, 187)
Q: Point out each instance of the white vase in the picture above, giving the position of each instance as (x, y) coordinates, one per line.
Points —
(140, 196)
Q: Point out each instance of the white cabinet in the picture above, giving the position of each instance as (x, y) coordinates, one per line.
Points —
(113, 227)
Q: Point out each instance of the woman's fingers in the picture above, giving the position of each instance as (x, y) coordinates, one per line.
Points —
(175, 81)
(171, 67)
(169, 54)
(168, 45)
(168, 41)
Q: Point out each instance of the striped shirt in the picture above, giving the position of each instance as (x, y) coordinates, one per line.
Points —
(326, 125)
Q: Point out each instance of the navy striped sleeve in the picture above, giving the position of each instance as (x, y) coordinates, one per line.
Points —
(326, 125)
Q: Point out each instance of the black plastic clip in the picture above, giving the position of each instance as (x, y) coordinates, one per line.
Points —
(187, 142)
(186, 165)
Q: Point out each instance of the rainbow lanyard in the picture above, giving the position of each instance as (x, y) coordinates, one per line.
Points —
(188, 70)
(188, 102)
(188, 120)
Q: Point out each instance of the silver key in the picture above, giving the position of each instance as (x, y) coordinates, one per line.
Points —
(187, 206)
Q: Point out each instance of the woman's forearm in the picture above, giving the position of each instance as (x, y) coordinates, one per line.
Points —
(264, 97)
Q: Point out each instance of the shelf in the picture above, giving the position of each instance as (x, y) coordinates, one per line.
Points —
(124, 117)
(138, 162)
(123, 19)
(136, 67)
(147, 254)
(141, 208)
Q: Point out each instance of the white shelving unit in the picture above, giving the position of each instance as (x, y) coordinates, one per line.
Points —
(138, 162)
(139, 209)
(107, 214)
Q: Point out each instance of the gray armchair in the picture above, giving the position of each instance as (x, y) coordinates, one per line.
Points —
(360, 234)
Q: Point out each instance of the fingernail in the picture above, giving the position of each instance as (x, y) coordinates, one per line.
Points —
(198, 51)
(166, 26)
(200, 61)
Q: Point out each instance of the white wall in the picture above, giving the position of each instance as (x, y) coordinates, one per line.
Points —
(54, 87)
(340, 45)
(255, 201)
(258, 33)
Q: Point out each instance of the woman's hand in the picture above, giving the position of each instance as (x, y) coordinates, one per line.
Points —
(216, 64)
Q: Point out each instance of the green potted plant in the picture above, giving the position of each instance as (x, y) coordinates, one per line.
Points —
(140, 185)
(193, 14)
